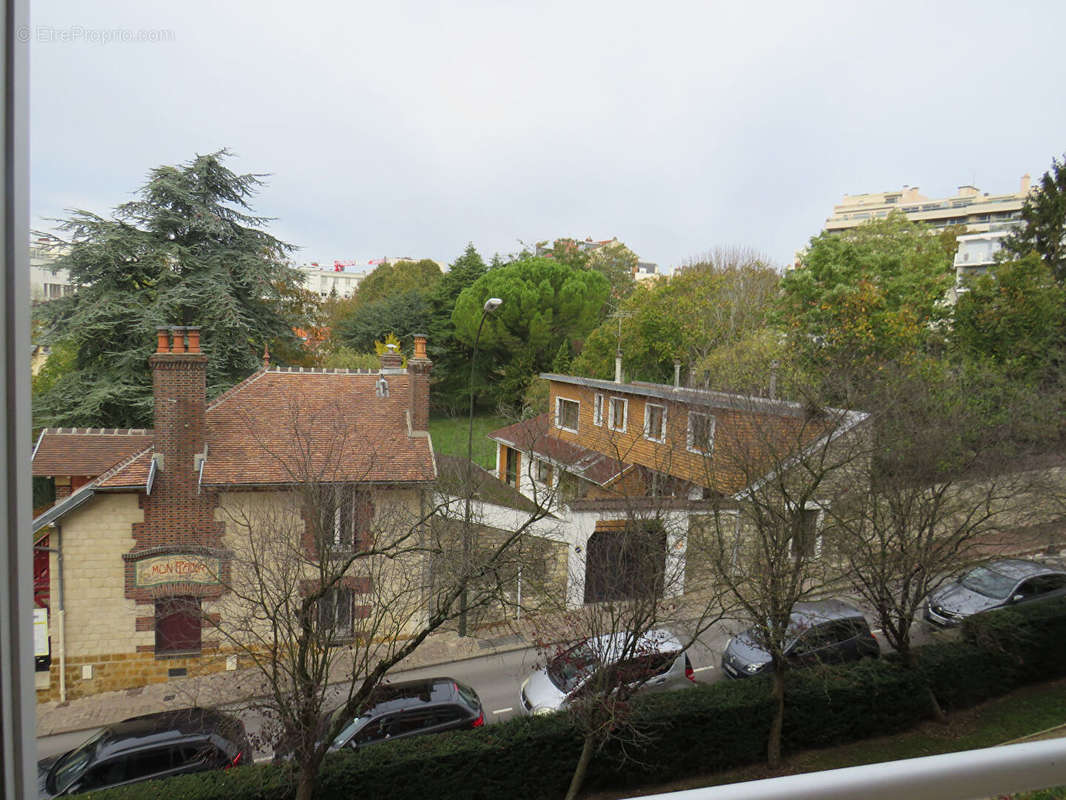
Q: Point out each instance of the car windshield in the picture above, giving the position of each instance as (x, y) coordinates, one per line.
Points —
(71, 766)
(468, 695)
(349, 730)
(988, 582)
(569, 669)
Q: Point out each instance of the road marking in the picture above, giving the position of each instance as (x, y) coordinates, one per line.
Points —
(703, 669)
(502, 710)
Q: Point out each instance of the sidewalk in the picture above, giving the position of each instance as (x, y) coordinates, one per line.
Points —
(224, 688)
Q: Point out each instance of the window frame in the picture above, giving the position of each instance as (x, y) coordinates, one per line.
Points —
(179, 605)
(625, 414)
(597, 410)
(559, 401)
(690, 437)
(662, 422)
(328, 606)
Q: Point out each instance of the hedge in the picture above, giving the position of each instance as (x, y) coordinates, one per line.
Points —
(704, 729)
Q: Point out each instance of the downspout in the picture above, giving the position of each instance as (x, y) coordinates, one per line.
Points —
(62, 618)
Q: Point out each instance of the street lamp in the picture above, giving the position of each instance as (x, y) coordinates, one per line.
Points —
(490, 305)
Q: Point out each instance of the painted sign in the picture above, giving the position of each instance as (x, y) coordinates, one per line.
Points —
(176, 569)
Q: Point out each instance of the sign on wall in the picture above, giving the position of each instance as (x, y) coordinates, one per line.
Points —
(40, 632)
(176, 569)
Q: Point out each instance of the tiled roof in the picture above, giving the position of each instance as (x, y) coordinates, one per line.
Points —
(86, 451)
(281, 426)
(531, 436)
(487, 488)
(132, 473)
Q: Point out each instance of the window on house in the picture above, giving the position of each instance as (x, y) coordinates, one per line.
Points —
(655, 422)
(597, 410)
(566, 414)
(805, 533)
(347, 518)
(178, 625)
(700, 432)
(510, 465)
(335, 613)
(544, 472)
(619, 414)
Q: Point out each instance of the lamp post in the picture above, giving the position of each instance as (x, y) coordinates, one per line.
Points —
(490, 305)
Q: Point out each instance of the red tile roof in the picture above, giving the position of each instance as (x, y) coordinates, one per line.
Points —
(531, 436)
(284, 425)
(86, 451)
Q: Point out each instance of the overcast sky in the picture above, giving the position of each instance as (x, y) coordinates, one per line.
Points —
(410, 128)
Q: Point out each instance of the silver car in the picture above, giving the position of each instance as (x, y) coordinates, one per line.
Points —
(658, 662)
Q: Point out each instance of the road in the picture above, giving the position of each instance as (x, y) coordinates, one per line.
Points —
(496, 678)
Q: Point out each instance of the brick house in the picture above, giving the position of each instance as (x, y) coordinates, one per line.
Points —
(143, 532)
(612, 454)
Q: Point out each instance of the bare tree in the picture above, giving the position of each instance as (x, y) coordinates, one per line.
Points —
(637, 621)
(334, 580)
(763, 543)
(940, 486)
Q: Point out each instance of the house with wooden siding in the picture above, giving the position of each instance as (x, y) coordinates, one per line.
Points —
(615, 454)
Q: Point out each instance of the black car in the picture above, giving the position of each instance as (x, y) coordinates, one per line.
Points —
(409, 708)
(1008, 581)
(142, 748)
(822, 632)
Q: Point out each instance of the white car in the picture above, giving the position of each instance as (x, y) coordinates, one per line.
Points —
(658, 661)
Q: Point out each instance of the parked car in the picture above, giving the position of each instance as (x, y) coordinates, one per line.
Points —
(408, 708)
(1005, 582)
(821, 632)
(658, 662)
(142, 748)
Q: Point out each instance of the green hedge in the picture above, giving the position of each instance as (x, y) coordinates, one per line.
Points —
(699, 730)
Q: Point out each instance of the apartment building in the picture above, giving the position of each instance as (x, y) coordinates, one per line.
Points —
(977, 210)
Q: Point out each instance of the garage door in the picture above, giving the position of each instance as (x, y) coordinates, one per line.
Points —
(625, 560)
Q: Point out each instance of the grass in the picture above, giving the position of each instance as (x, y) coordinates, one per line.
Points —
(449, 437)
(1019, 714)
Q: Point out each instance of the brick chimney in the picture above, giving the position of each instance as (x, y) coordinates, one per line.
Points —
(179, 378)
(391, 359)
(418, 367)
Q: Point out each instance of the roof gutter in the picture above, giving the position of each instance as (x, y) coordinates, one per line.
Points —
(64, 507)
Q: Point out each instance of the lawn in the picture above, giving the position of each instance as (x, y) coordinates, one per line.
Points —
(1021, 713)
(449, 437)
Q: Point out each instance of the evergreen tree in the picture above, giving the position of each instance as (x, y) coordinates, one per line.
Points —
(1044, 215)
(187, 251)
(451, 357)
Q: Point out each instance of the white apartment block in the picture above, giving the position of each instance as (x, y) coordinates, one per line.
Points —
(977, 210)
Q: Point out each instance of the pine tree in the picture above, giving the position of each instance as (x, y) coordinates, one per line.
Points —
(187, 251)
(1044, 217)
(451, 358)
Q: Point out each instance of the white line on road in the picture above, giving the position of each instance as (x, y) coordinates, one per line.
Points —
(703, 669)
(502, 710)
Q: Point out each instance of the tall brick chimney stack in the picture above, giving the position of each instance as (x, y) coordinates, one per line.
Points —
(179, 378)
(418, 367)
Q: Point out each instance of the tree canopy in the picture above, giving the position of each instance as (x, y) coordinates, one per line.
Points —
(397, 277)
(186, 251)
(548, 308)
(709, 304)
(868, 295)
(1044, 217)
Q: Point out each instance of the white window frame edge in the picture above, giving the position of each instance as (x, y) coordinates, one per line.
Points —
(811, 505)
(688, 435)
(558, 412)
(625, 414)
(597, 410)
(662, 438)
